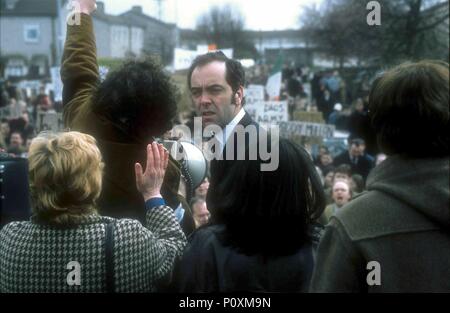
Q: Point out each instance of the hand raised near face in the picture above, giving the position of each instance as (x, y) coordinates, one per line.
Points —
(149, 182)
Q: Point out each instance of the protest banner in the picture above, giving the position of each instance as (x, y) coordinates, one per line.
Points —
(103, 71)
(267, 113)
(49, 121)
(273, 112)
(296, 128)
(253, 109)
(227, 52)
(57, 84)
(183, 58)
(312, 117)
(253, 94)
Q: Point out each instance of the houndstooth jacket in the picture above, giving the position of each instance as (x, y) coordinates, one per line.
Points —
(36, 257)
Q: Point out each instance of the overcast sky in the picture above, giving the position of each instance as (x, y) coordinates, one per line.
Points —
(259, 14)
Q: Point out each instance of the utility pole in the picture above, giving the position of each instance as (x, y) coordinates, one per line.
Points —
(61, 22)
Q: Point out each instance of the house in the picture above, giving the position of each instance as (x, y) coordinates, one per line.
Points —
(30, 37)
(269, 44)
(160, 38)
(290, 42)
(117, 36)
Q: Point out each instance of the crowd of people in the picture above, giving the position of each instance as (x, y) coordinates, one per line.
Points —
(19, 117)
(107, 196)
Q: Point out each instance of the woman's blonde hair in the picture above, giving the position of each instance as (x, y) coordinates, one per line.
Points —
(65, 172)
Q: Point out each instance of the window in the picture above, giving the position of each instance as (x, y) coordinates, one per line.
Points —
(32, 33)
(16, 67)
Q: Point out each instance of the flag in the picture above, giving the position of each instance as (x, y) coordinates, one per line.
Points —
(273, 84)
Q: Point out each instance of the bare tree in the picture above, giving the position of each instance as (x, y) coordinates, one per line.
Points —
(224, 27)
(409, 30)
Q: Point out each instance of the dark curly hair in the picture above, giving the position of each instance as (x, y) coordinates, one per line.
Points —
(139, 99)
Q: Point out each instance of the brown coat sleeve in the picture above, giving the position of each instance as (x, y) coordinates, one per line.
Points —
(79, 71)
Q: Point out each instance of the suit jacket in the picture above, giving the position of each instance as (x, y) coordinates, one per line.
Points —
(218, 166)
(362, 167)
(79, 73)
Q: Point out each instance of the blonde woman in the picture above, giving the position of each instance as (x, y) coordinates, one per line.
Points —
(67, 246)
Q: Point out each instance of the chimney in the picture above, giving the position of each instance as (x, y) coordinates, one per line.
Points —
(137, 9)
(100, 7)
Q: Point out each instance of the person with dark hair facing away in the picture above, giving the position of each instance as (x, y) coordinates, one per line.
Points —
(261, 237)
(395, 237)
(134, 104)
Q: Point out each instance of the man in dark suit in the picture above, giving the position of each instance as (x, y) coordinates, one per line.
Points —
(216, 83)
(360, 162)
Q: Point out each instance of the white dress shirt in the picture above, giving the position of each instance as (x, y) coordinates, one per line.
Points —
(229, 128)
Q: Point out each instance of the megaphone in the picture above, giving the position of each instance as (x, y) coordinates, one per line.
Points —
(193, 163)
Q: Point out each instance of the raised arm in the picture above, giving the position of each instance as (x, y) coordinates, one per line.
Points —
(79, 70)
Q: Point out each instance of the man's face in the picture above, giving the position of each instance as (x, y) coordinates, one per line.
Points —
(202, 189)
(355, 150)
(362, 149)
(16, 140)
(212, 95)
(45, 104)
(200, 214)
(4, 129)
(341, 193)
(359, 106)
(325, 159)
(329, 179)
(25, 117)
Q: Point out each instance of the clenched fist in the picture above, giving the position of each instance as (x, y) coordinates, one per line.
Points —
(85, 6)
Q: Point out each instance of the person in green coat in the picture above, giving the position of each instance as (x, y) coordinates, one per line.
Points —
(395, 237)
